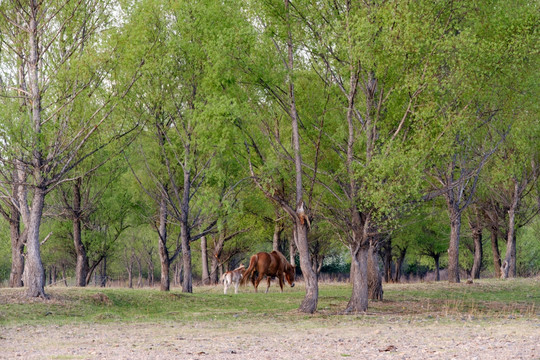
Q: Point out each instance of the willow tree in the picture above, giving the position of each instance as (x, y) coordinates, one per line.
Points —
(182, 98)
(380, 60)
(477, 101)
(56, 59)
(273, 69)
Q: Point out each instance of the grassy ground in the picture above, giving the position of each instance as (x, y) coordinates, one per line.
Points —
(485, 299)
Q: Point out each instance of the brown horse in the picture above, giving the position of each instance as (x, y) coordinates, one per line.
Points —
(269, 264)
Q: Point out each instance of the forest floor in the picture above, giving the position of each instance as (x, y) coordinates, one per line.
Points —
(488, 320)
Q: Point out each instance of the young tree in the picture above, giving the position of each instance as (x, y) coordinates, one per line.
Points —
(62, 61)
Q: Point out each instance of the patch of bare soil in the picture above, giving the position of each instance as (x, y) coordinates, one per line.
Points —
(500, 339)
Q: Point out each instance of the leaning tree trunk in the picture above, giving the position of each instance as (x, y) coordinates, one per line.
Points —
(478, 253)
(81, 267)
(495, 250)
(375, 289)
(163, 251)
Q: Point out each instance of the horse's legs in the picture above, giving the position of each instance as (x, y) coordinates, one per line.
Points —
(258, 280)
(253, 277)
(236, 287)
(281, 282)
(225, 286)
(268, 279)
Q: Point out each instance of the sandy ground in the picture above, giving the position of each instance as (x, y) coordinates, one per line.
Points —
(500, 339)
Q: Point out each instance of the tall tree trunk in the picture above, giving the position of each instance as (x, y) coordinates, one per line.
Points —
(163, 251)
(453, 249)
(300, 219)
(187, 285)
(478, 253)
(81, 267)
(204, 260)
(495, 250)
(375, 289)
(309, 304)
(34, 273)
(509, 264)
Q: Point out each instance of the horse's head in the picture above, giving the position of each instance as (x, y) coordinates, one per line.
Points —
(289, 274)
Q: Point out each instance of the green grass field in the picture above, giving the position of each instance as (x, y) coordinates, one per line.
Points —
(485, 299)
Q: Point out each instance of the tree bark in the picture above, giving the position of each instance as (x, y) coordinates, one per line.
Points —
(292, 249)
(359, 269)
(399, 263)
(34, 273)
(17, 249)
(387, 260)
(495, 250)
(204, 260)
(478, 253)
(82, 266)
(163, 251)
(453, 249)
(309, 304)
(375, 289)
(509, 264)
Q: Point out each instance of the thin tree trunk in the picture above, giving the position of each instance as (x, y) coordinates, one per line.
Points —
(509, 264)
(399, 263)
(81, 268)
(478, 253)
(104, 272)
(204, 260)
(292, 249)
(163, 251)
(453, 249)
(129, 269)
(309, 304)
(388, 260)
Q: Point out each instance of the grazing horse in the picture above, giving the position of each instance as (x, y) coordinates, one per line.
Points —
(232, 277)
(269, 264)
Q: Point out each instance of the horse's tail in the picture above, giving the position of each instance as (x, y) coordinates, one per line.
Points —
(250, 270)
